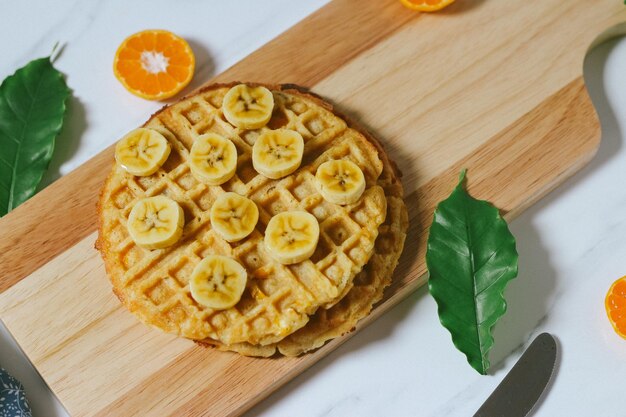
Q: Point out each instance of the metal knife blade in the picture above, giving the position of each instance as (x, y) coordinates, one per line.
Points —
(522, 387)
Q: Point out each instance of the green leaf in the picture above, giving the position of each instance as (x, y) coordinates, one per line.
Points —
(32, 107)
(471, 256)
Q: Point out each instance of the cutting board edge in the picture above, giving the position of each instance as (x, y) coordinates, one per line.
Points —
(410, 287)
(614, 31)
(407, 290)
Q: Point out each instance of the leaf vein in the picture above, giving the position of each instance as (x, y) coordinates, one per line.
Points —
(19, 145)
(17, 115)
(493, 254)
(452, 248)
(470, 245)
(452, 284)
(450, 229)
(495, 281)
(7, 163)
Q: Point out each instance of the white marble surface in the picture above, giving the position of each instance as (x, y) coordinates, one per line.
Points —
(571, 244)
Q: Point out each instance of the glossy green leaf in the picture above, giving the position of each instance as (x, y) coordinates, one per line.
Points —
(471, 257)
(32, 107)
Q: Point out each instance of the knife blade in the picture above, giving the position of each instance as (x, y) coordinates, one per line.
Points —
(525, 383)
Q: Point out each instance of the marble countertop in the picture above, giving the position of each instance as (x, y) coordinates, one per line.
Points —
(571, 244)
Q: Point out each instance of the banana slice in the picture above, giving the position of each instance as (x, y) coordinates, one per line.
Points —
(213, 159)
(156, 222)
(291, 237)
(340, 182)
(248, 107)
(233, 216)
(142, 151)
(218, 282)
(277, 153)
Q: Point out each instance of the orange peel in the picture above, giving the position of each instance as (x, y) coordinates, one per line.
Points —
(426, 5)
(615, 305)
(154, 64)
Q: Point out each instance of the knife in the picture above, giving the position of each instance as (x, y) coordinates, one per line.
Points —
(523, 386)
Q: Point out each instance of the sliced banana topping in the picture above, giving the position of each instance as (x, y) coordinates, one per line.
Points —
(218, 282)
(156, 222)
(142, 151)
(233, 216)
(277, 153)
(213, 159)
(340, 182)
(291, 237)
(248, 107)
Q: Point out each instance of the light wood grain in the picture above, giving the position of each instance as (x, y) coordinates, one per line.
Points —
(79, 348)
(63, 213)
(492, 86)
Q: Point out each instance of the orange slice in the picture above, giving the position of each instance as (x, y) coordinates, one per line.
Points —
(615, 304)
(154, 64)
(426, 5)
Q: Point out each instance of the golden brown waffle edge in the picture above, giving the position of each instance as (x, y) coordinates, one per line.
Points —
(369, 285)
(131, 302)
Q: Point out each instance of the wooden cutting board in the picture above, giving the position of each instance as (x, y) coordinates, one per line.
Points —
(489, 85)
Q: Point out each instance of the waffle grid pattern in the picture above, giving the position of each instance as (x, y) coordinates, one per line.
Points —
(279, 298)
(366, 290)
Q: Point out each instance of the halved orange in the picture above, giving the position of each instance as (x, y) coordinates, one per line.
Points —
(615, 304)
(426, 5)
(154, 64)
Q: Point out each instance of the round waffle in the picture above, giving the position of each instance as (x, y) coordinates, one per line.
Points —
(278, 298)
(367, 288)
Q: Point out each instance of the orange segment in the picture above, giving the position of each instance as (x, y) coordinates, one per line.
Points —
(426, 5)
(615, 304)
(154, 64)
